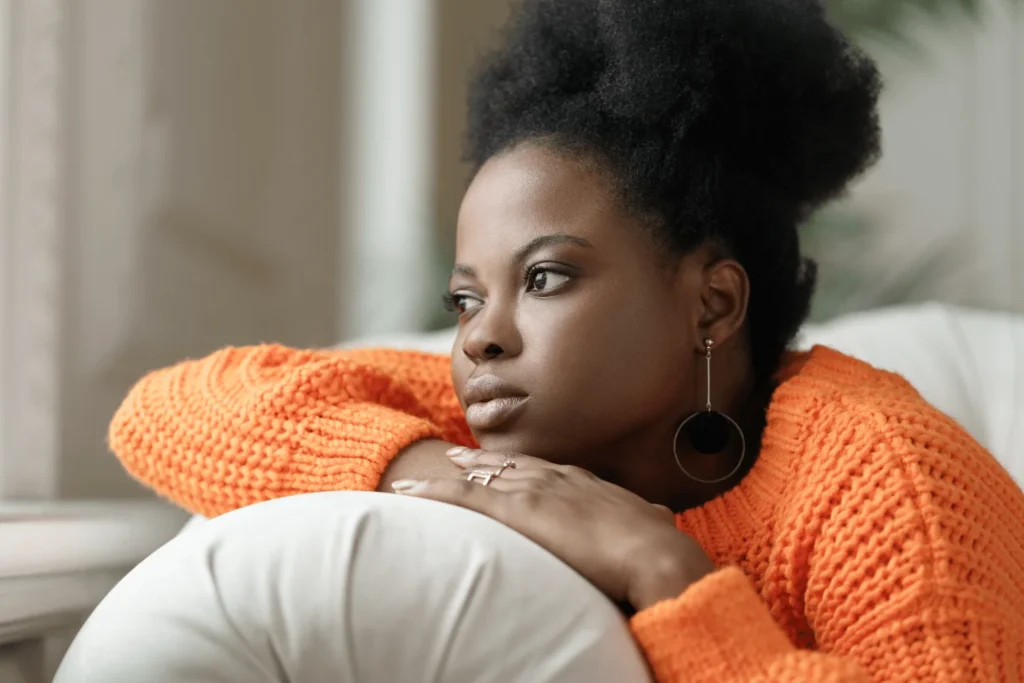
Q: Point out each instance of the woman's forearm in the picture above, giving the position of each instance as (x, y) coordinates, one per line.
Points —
(250, 424)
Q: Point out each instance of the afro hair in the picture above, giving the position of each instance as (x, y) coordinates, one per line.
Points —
(728, 121)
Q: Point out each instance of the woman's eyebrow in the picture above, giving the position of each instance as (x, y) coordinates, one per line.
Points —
(530, 247)
(461, 269)
(538, 243)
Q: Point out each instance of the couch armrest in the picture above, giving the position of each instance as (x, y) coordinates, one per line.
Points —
(57, 561)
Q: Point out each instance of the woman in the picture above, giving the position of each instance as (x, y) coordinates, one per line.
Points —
(627, 278)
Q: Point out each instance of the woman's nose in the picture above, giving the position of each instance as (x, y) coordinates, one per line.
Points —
(492, 334)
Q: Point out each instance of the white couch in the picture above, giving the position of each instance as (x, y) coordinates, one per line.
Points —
(373, 587)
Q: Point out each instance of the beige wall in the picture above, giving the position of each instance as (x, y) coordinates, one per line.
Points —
(203, 204)
(465, 29)
(208, 141)
(952, 171)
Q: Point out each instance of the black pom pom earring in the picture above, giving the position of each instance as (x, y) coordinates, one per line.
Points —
(708, 432)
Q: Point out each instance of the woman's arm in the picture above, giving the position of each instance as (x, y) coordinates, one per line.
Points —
(907, 567)
(249, 424)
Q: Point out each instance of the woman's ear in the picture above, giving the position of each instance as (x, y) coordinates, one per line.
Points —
(725, 294)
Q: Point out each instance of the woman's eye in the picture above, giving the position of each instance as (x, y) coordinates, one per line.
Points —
(541, 280)
(461, 303)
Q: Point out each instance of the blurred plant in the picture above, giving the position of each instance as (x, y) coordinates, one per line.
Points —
(853, 274)
(892, 18)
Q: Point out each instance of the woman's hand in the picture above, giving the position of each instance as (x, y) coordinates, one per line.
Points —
(627, 547)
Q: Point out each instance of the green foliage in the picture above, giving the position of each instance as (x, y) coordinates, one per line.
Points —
(891, 19)
(853, 275)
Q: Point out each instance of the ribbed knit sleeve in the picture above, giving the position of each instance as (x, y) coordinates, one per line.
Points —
(250, 424)
(719, 630)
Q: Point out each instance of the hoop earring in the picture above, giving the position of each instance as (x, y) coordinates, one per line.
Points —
(708, 431)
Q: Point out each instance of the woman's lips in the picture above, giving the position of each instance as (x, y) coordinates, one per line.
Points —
(490, 414)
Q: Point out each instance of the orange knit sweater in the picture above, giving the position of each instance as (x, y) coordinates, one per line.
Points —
(872, 540)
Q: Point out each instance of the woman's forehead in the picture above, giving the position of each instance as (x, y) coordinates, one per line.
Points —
(531, 191)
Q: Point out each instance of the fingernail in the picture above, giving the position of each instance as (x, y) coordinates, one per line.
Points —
(458, 450)
(403, 485)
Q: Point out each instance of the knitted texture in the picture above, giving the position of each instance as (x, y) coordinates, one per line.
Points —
(873, 540)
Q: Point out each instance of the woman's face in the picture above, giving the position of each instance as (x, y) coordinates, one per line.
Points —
(576, 341)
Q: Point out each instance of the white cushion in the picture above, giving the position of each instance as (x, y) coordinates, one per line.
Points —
(353, 587)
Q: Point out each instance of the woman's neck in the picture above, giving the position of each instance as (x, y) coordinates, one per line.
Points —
(643, 462)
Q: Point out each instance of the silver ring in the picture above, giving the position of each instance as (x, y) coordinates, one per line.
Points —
(507, 464)
(484, 477)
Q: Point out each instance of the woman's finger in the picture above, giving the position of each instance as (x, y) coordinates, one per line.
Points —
(475, 457)
(497, 478)
(478, 494)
